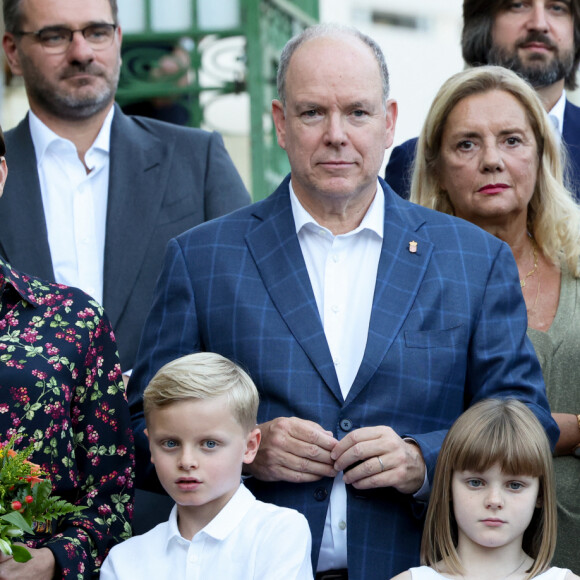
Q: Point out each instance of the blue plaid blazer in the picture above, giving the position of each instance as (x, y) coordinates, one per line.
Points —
(448, 328)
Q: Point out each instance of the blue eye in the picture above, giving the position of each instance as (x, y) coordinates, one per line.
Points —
(170, 444)
(474, 483)
(210, 444)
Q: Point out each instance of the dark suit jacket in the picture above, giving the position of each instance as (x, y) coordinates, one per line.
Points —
(400, 166)
(448, 327)
(163, 180)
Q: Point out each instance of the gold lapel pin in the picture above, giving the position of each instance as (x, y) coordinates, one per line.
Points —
(413, 247)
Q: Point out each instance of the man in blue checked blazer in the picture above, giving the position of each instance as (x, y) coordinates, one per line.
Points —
(368, 324)
(539, 41)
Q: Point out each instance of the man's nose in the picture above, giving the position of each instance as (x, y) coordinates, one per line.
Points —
(335, 130)
(538, 18)
(79, 48)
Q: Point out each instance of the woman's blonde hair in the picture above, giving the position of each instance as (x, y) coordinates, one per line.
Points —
(492, 432)
(553, 216)
(204, 375)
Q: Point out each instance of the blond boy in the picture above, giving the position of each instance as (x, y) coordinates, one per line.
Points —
(201, 412)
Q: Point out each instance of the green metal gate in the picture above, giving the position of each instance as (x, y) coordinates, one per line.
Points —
(249, 34)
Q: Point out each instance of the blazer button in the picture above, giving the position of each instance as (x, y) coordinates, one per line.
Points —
(346, 424)
(320, 494)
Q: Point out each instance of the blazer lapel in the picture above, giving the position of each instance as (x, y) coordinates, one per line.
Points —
(571, 137)
(23, 237)
(138, 171)
(276, 251)
(399, 278)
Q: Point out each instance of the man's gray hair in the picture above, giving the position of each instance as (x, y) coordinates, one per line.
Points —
(328, 30)
(13, 14)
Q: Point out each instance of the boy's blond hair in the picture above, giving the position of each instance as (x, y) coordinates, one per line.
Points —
(204, 375)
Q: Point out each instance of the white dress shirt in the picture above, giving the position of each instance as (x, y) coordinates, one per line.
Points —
(336, 266)
(247, 540)
(75, 204)
(556, 116)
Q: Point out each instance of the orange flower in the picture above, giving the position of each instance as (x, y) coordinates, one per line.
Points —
(34, 468)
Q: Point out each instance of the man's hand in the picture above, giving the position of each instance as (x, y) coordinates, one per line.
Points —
(293, 449)
(41, 567)
(383, 460)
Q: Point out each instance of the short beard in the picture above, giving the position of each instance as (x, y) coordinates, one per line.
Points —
(68, 106)
(539, 74)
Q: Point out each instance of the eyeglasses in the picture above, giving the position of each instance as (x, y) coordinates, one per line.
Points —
(57, 39)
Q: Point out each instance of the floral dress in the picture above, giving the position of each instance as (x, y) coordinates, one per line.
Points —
(61, 390)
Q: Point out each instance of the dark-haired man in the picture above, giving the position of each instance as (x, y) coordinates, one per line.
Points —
(538, 39)
(94, 195)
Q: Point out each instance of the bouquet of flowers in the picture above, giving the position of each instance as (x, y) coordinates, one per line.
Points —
(26, 503)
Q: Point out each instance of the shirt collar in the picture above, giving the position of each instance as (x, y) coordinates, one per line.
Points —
(20, 283)
(224, 522)
(43, 137)
(557, 112)
(373, 220)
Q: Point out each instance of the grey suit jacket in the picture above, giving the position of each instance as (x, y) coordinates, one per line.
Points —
(164, 179)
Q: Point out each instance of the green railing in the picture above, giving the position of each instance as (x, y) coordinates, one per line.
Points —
(240, 59)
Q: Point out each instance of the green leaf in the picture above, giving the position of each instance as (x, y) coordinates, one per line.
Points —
(21, 554)
(16, 519)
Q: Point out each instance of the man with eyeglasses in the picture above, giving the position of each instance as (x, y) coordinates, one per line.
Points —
(94, 195)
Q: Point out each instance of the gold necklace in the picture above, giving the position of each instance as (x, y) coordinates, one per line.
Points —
(533, 270)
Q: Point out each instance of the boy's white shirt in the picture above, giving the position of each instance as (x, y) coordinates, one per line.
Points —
(247, 540)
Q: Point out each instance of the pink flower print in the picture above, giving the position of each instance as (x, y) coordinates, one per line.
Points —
(50, 349)
(39, 374)
(49, 300)
(104, 510)
(4, 408)
(30, 335)
(93, 437)
(121, 450)
(20, 394)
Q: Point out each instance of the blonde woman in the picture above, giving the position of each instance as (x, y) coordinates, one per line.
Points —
(488, 153)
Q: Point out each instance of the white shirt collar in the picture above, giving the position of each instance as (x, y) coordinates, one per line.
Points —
(43, 137)
(374, 219)
(557, 112)
(224, 523)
